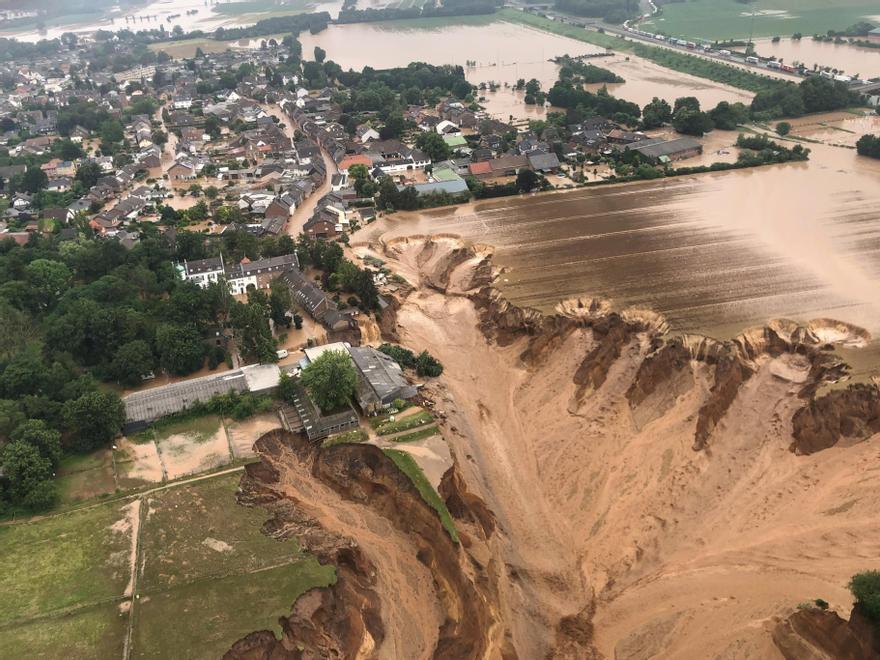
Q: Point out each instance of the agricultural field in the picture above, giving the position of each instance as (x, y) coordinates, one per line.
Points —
(723, 19)
(265, 8)
(182, 571)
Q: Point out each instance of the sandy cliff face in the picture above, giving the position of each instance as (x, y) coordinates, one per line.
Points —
(622, 493)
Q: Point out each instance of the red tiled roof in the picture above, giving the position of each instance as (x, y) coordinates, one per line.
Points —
(480, 168)
(360, 159)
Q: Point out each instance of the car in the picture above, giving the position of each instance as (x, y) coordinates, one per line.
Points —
(282, 353)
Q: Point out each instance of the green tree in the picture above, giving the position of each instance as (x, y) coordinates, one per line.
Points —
(427, 365)
(33, 180)
(11, 417)
(181, 349)
(690, 102)
(112, 132)
(330, 380)
(252, 333)
(320, 54)
(691, 122)
(869, 145)
(393, 126)
(783, 128)
(656, 113)
(865, 588)
(88, 174)
(94, 419)
(132, 362)
(49, 278)
(727, 116)
(526, 180)
(36, 432)
(433, 145)
(286, 387)
(29, 476)
(280, 302)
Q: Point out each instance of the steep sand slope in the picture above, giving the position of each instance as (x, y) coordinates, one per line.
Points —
(686, 553)
(618, 493)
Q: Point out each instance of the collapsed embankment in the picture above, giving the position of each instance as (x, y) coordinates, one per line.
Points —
(621, 493)
(357, 617)
(638, 461)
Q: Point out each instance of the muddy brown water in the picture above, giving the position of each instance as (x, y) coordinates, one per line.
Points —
(850, 59)
(714, 253)
(503, 53)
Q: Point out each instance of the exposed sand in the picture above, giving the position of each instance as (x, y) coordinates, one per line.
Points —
(139, 463)
(184, 454)
(243, 434)
(685, 554)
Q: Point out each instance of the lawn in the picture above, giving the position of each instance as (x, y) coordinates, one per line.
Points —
(92, 632)
(405, 423)
(206, 562)
(82, 477)
(67, 561)
(350, 437)
(186, 48)
(720, 19)
(421, 434)
(198, 429)
(410, 468)
(199, 530)
(203, 619)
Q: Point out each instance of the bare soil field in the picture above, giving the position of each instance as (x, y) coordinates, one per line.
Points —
(243, 434)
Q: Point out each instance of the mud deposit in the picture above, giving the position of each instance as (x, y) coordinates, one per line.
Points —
(714, 254)
(620, 493)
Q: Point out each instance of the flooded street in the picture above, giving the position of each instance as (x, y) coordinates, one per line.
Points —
(714, 253)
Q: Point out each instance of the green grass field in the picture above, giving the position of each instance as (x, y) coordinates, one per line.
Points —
(421, 434)
(267, 7)
(84, 477)
(221, 611)
(721, 19)
(199, 531)
(407, 464)
(206, 577)
(68, 561)
(92, 632)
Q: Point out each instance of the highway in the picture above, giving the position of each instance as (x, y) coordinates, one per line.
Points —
(631, 33)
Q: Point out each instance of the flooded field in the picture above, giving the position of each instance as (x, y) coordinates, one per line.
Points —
(156, 13)
(714, 253)
(498, 51)
(850, 59)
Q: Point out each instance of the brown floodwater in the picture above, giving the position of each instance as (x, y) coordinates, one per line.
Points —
(503, 53)
(714, 253)
(850, 59)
